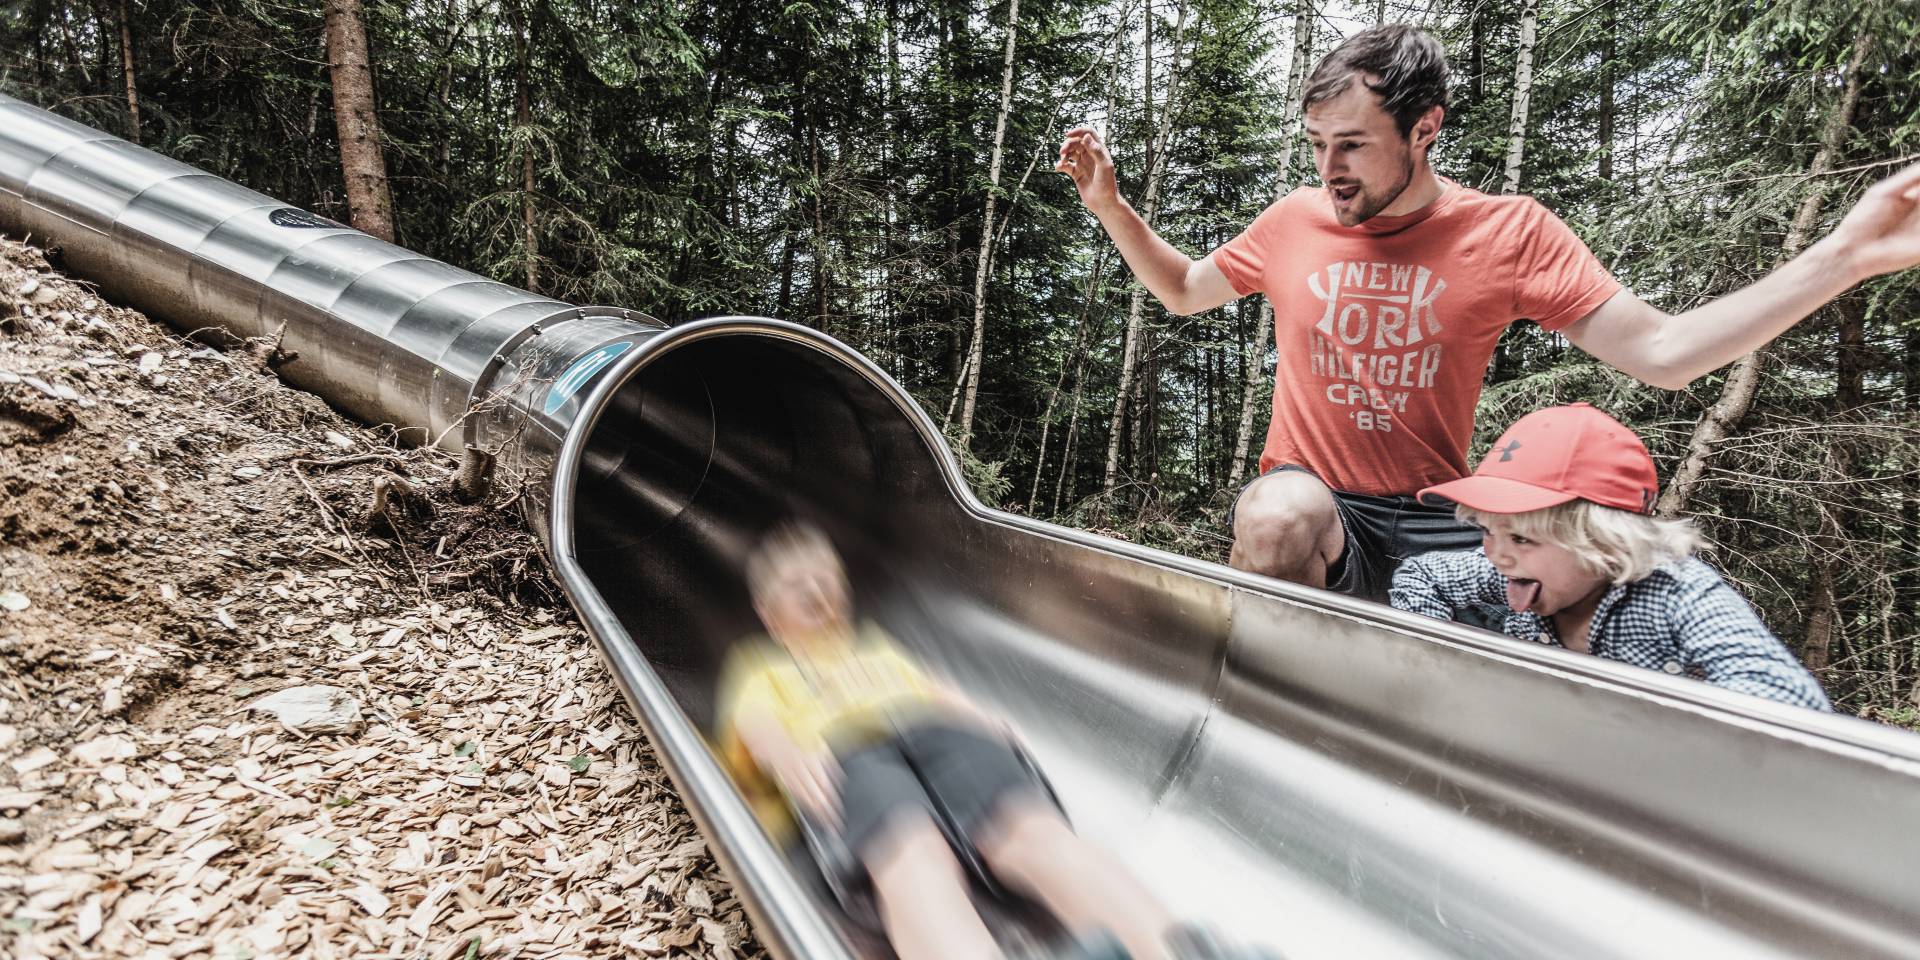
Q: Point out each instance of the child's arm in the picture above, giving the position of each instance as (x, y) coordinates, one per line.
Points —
(807, 772)
(1722, 637)
(1444, 583)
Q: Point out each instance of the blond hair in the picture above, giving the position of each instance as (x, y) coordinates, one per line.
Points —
(789, 543)
(1617, 544)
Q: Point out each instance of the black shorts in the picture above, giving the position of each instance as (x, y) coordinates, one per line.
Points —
(957, 775)
(1380, 533)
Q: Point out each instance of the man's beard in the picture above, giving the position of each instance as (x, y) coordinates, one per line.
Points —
(1371, 203)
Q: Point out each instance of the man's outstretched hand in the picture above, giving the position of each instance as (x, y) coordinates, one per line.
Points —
(1084, 158)
(1881, 233)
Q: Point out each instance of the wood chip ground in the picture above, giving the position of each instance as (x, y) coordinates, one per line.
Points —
(181, 535)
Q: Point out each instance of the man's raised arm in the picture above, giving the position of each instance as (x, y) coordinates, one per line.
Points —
(1879, 235)
(1181, 284)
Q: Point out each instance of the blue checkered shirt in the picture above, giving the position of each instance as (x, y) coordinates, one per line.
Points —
(1680, 619)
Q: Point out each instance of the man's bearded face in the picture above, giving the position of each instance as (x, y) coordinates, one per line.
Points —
(1362, 157)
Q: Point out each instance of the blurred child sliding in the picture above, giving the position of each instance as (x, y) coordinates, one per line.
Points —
(829, 720)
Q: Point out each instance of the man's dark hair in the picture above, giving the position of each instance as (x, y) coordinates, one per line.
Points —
(1408, 70)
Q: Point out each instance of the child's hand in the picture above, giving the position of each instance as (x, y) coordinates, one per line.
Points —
(812, 779)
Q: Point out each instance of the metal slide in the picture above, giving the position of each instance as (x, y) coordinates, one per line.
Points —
(1304, 770)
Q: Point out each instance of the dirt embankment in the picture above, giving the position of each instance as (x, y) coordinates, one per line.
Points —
(181, 536)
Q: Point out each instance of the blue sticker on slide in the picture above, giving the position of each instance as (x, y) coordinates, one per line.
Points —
(583, 369)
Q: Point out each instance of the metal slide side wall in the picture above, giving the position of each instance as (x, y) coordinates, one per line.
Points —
(1322, 774)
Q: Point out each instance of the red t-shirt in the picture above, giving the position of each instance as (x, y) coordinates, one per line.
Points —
(1384, 330)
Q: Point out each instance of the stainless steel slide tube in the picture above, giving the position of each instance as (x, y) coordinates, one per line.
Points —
(1322, 774)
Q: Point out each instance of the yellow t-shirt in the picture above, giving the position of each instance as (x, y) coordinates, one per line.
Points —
(841, 697)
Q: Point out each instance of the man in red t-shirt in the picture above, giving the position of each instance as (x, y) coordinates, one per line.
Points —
(1390, 287)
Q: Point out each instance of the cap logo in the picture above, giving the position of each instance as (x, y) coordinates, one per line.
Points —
(1506, 452)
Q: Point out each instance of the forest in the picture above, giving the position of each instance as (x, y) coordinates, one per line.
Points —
(882, 170)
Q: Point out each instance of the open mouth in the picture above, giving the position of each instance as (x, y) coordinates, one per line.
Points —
(1522, 593)
(1345, 193)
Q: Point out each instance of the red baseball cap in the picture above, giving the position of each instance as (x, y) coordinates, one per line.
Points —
(1552, 456)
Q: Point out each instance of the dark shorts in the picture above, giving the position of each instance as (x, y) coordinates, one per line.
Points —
(1380, 533)
(957, 776)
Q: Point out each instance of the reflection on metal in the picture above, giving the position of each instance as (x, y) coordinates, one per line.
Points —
(1302, 769)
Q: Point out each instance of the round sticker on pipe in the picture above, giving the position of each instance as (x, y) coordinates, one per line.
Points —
(581, 371)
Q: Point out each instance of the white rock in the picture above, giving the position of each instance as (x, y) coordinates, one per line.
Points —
(247, 473)
(13, 601)
(312, 710)
(150, 362)
(339, 440)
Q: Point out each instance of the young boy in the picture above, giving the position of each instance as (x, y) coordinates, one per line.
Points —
(910, 776)
(1571, 556)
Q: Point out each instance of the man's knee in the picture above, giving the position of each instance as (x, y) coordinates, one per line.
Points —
(1288, 513)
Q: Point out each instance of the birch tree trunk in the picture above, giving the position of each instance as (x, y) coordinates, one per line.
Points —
(1522, 94)
(1303, 21)
(822, 267)
(984, 263)
(1060, 382)
(369, 199)
(1156, 171)
(1743, 381)
(126, 68)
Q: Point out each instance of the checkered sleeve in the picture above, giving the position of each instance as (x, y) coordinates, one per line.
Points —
(1722, 638)
(1444, 583)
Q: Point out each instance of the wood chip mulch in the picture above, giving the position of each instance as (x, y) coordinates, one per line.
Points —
(165, 562)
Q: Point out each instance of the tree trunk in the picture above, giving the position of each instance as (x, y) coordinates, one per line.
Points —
(890, 146)
(127, 68)
(1522, 94)
(369, 200)
(1824, 618)
(822, 271)
(1156, 170)
(523, 121)
(1907, 583)
(1610, 25)
(1303, 21)
(1068, 450)
(1069, 363)
(1838, 520)
(783, 307)
(74, 59)
(984, 262)
(1850, 358)
(1743, 381)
